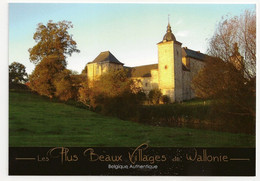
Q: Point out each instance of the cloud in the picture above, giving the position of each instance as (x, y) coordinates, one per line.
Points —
(179, 22)
(184, 33)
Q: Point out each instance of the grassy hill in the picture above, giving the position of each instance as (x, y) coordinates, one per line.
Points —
(38, 121)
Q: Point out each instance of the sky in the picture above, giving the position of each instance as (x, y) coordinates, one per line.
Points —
(129, 31)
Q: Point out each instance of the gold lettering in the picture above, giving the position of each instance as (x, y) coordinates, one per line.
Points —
(91, 154)
(190, 158)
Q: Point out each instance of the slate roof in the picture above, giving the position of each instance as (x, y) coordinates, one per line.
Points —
(106, 56)
(169, 35)
(193, 54)
(143, 71)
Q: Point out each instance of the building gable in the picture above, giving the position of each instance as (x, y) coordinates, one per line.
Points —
(106, 57)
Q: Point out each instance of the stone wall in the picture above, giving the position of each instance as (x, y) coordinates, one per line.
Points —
(166, 65)
(170, 70)
(148, 83)
(94, 70)
(108, 67)
(195, 67)
(166, 68)
(178, 72)
(154, 79)
(144, 83)
(186, 88)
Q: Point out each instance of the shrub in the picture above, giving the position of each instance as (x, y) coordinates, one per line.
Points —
(67, 84)
(154, 96)
(196, 116)
(165, 99)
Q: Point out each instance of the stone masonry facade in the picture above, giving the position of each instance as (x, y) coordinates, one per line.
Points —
(173, 74)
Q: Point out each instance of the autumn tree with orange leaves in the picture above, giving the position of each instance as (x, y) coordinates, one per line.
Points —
(53, 45)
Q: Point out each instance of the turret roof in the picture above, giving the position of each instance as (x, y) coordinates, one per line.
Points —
(169, 35)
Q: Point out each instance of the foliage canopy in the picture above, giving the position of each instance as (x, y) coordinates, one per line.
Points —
(17, 73)
(113, 93)
(53, 39)
(229, 75)
(50, 76)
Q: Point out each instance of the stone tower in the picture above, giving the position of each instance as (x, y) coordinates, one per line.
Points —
(170, 66)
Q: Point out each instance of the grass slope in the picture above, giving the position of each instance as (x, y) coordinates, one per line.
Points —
(36, 121)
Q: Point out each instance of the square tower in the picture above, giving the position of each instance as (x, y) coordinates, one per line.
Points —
(170, 66)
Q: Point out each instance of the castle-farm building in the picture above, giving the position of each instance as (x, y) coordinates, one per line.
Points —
(173, 74)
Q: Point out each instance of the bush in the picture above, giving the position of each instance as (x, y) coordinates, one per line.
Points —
(196, 116)
(141, 96)
(165, 99)
(154, 96)
(67, 85)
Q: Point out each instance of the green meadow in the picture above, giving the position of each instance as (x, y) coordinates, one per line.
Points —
(38, 121)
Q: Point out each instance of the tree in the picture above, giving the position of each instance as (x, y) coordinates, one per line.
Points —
(85, 71)
(49, 54)
(108, 85)
(43, 77)
(67, 84)
(229, 75)
(17, 73)
(53, 39)
(113, 93)
(235, 37)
